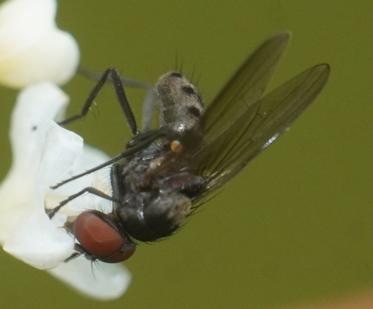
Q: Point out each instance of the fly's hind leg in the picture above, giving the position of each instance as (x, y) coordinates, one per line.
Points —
(148, 105)
(113, 75)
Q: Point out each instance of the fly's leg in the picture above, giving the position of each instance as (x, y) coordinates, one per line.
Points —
(143, 140)
(115, 174)
(113, 75)
(74, 255)
(94, 169)
(95, 76)
(148, 105)
(94, 191)
(79, 251)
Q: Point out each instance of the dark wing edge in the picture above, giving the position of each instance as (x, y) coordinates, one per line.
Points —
(246, 86)
(258, 127)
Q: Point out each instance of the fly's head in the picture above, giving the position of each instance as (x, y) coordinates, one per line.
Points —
(180, 104)
(101, 238)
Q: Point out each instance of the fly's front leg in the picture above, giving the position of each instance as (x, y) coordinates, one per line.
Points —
(79, 251)
(74, 255)
(94, 191)
(114, 76)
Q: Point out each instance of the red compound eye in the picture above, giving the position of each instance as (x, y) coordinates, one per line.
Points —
(101, 239)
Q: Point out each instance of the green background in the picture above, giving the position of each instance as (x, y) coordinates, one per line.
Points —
(297, 225)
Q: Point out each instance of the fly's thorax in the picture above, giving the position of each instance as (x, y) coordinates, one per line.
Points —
(180, 104)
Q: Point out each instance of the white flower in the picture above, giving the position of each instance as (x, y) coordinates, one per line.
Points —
(32, 48)
(44, 154)
(36, 54)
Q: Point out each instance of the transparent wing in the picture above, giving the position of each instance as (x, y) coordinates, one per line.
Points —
(245, 87)
(257, 127)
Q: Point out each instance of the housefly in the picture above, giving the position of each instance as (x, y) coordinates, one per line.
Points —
(165, 173)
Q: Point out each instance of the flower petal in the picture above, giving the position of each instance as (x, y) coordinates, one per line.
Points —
(38, 242)
(98, 280)
(27, 147)
(32, 48)
(43, 149)
(36, 106)
(45, 153)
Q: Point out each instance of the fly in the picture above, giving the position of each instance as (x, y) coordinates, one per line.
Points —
(165, 173)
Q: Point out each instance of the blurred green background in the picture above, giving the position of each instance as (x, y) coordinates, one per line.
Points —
(297, 225)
